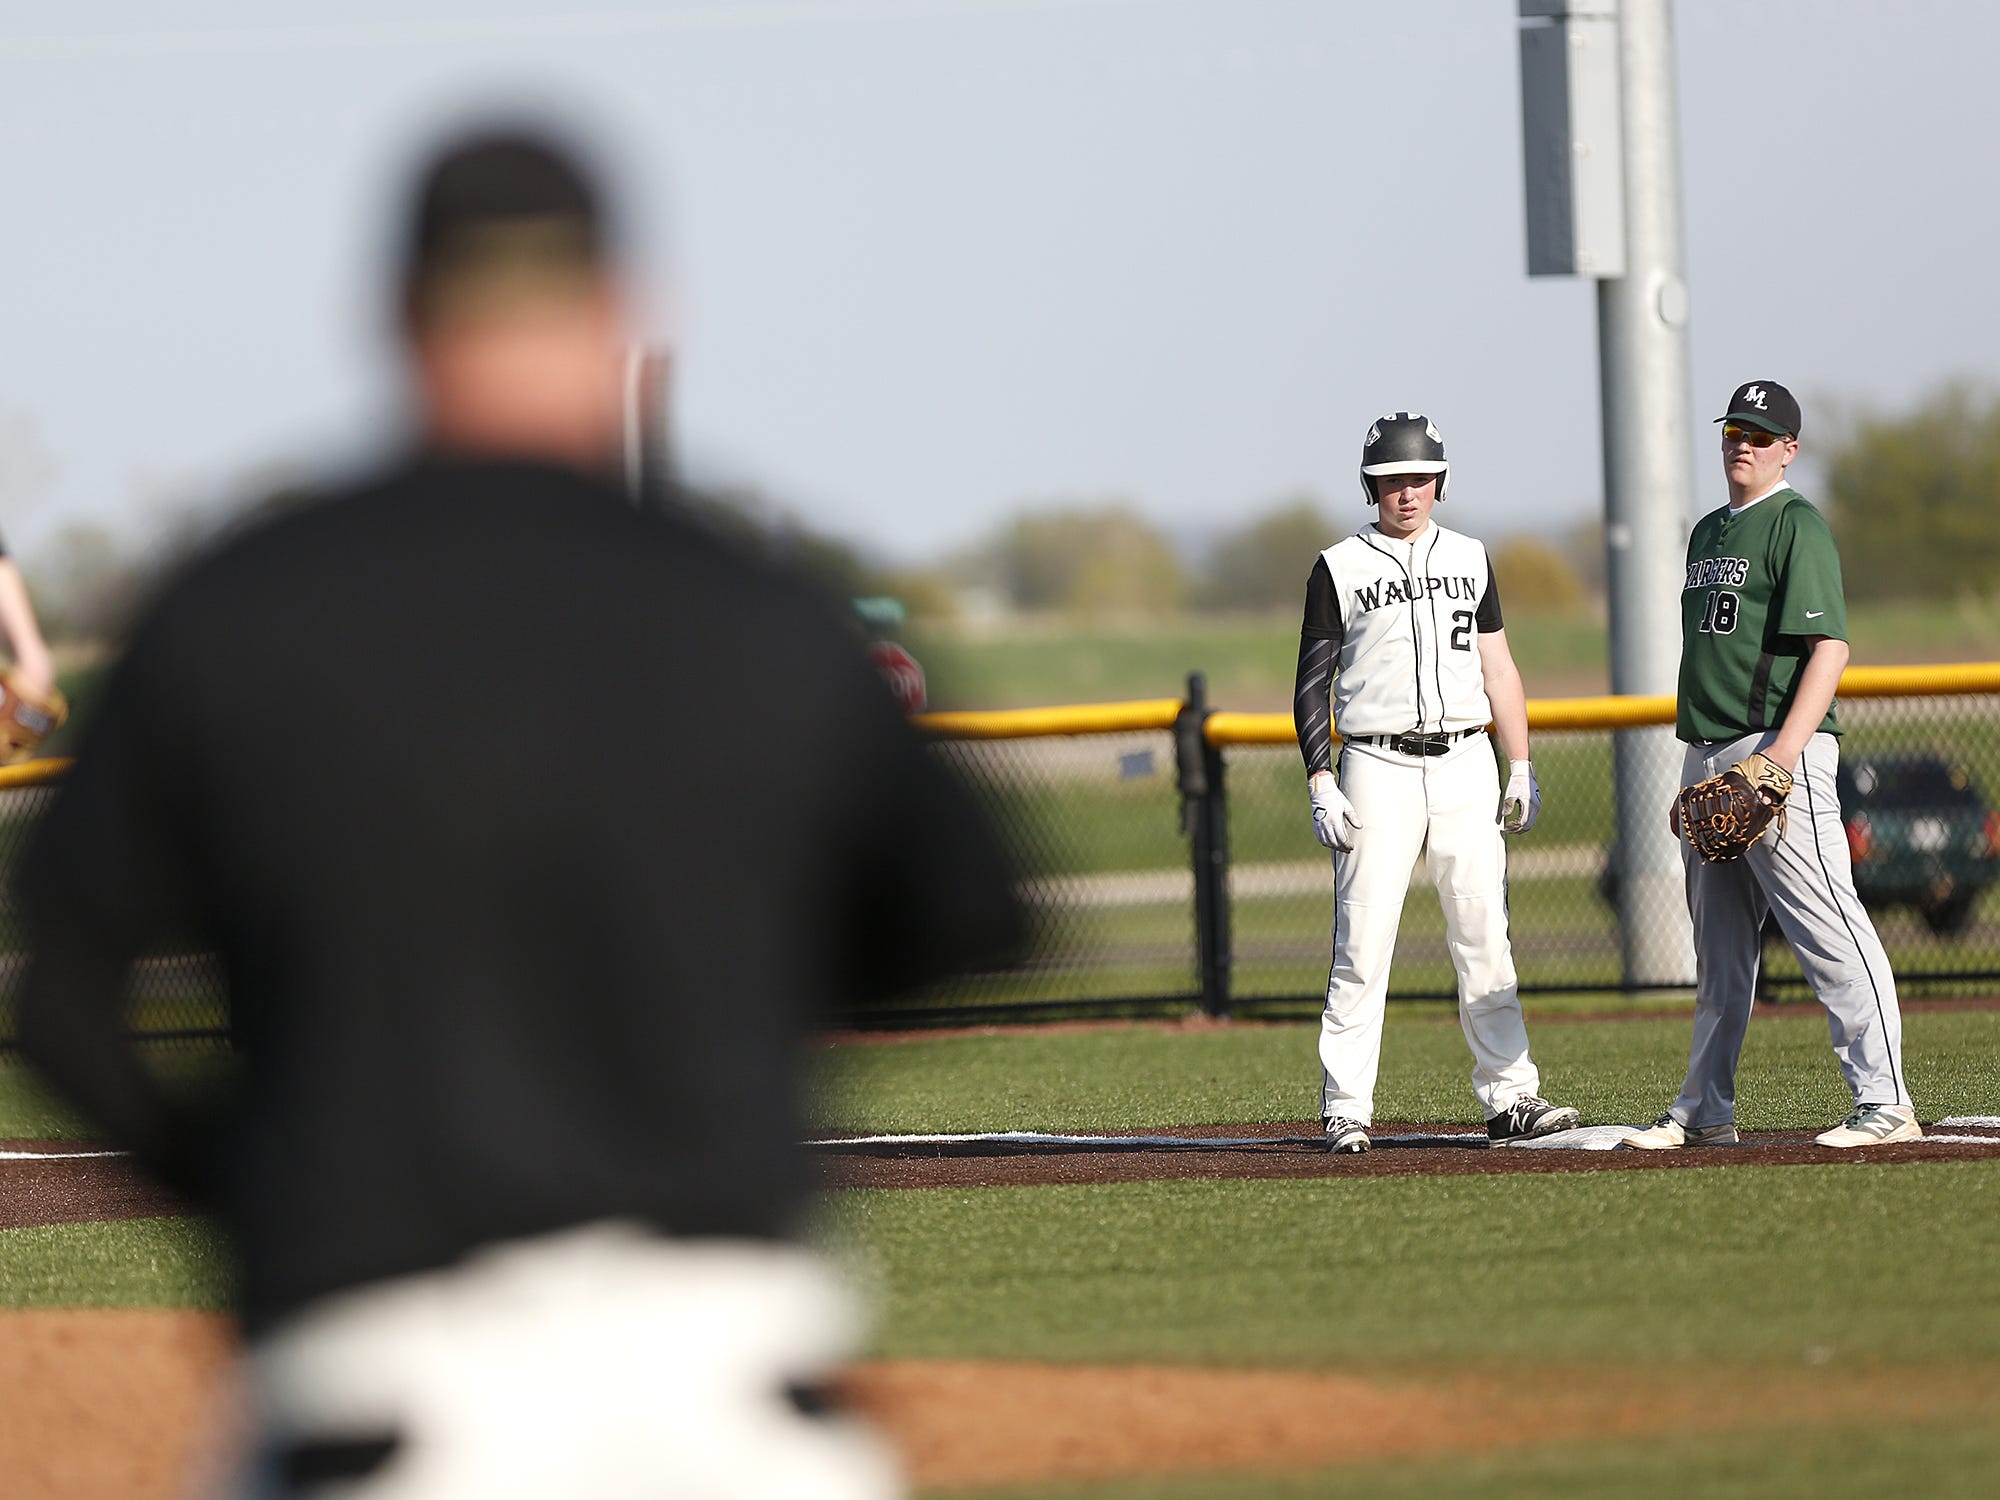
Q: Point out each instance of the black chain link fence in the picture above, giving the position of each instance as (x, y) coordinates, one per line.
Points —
(1563, 921)
(1920, 799)
(1096, 823)
(1093, 825)
(175, 995)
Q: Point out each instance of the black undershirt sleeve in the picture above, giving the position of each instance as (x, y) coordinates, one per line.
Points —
(1319, 653)
(1487, 616)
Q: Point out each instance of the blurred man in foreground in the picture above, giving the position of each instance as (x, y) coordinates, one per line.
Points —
(534, 833)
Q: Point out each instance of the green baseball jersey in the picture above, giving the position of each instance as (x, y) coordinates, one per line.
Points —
(1758, 585)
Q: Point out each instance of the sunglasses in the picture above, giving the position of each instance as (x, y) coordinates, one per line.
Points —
(1756, 437)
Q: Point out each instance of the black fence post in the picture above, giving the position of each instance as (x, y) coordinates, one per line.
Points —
(1205, 821)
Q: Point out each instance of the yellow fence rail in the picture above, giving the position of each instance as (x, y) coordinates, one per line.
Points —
(33, 772)
(1042, 723)
(1611, 712)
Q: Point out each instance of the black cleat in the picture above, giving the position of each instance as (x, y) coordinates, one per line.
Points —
(1343, 1134)
(1528, 1117)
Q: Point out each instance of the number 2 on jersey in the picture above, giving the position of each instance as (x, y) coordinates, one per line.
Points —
(1461, 630)
(1719, 618)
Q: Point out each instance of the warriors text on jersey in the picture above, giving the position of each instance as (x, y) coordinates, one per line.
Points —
(1404, 618)
(1760, 582)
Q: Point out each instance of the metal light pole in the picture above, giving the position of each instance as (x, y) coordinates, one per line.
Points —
(1648, 489)
(1597, 89)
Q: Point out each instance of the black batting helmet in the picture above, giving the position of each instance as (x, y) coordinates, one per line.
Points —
(1403, 442)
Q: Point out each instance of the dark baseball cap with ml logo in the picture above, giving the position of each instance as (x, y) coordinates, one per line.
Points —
(1765, 404)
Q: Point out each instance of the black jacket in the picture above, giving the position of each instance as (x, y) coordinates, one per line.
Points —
(534, 835)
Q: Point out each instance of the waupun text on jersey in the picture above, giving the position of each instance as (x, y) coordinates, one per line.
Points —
(1383, 592)
(1712, 572)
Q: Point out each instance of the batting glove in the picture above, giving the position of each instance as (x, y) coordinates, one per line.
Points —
(1334, 820)
(1521, 803)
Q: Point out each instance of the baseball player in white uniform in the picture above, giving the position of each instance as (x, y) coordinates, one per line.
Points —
(1403, 652)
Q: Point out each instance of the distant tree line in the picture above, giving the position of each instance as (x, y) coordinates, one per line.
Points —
(1091, 561)
(1107, 560)
(1913, 497)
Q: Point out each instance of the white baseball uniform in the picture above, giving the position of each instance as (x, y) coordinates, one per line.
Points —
(602, 1360)
(1392, 626)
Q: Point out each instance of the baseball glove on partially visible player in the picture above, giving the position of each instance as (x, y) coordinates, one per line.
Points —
(26, 721)
(1724, 815)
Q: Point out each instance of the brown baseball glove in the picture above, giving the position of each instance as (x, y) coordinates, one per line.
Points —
(1724, 815)
(26, 721)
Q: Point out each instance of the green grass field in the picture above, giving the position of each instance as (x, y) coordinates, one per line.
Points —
(1672, 1275)
(1142, 1077)
(1685, 1268)
(1249, 662)
(1681, 1275)
(1935, 1461)
(1675, 1274)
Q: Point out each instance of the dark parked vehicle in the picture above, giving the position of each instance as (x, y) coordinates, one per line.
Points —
(1920, 835)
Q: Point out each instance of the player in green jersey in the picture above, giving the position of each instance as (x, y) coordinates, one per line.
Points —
(1763, 644)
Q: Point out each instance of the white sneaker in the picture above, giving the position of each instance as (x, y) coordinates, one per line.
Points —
(1668, 1134)
(1873, 1125)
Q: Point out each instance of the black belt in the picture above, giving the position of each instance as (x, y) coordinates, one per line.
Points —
(1416, 744)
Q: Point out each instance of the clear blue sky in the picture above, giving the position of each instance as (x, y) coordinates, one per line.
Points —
(932, 259)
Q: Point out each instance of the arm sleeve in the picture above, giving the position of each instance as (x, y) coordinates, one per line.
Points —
(1312, 702)
(1810, 598)
(98, 883)
(1487, 617)
(1320, 636)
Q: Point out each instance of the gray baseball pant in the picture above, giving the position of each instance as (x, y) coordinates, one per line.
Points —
(1806, 879)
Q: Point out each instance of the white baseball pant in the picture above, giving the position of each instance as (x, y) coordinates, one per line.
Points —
(1443, 808)
(605, 1361)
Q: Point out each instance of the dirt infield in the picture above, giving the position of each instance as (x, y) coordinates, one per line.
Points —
(42, 1182)
(1043, 1422)
(127, 1405)
(1266, 1151)
(108, 1404)
(72, 1182)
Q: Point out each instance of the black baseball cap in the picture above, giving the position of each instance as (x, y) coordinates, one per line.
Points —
(1765, 404)
(503, 195)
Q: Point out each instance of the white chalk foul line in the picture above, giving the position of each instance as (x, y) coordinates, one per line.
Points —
(1582, 1138)
(54, 1155)
(1970, 1122)
(1586, 1138)
(1036, 1138)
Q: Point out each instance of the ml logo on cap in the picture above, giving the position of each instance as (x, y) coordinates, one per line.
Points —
(1754, 396)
